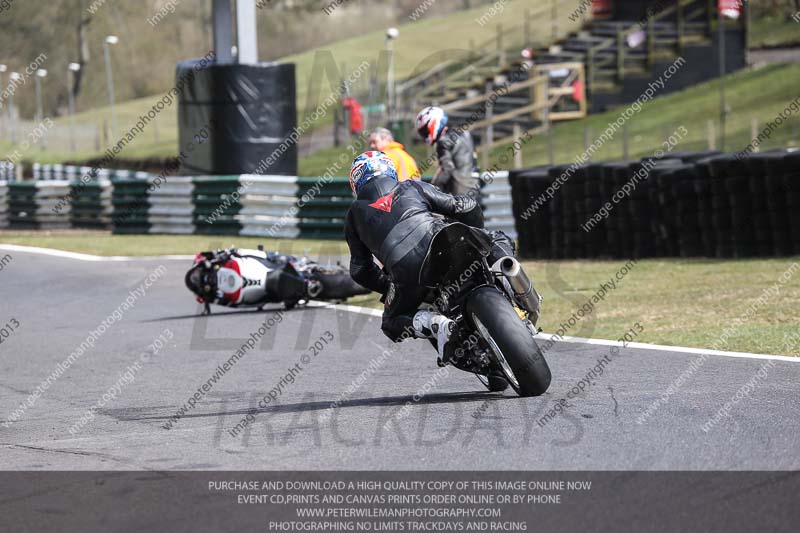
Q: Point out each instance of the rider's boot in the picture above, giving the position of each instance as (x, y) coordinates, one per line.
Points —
(429, 325)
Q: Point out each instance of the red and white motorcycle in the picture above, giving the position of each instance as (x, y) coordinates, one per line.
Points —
(253, 278)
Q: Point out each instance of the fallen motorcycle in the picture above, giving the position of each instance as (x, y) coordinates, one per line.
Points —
(252, 278)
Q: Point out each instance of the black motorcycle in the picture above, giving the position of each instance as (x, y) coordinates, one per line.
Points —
(495, 308)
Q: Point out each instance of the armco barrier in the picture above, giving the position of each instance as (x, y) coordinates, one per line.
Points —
(323, 207)
(130, 206)
(8, 171)
(216, 204)
(3, 204)
(496, 202)
(90, 204)
(171, 209)
(702, 204)
(33, 205)
(255, 205)
(269, 207)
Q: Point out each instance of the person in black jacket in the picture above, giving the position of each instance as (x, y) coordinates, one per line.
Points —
(396, 222)
(455, 152)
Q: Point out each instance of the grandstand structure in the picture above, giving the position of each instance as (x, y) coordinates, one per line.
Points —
(513, 84)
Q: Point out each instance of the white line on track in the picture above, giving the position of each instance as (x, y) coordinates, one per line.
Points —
(86, 257)
(600, 342)
(378, 312)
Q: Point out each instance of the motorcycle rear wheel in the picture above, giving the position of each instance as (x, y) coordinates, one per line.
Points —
(510, 340)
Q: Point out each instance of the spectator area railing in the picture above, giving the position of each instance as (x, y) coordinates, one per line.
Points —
(254, 205)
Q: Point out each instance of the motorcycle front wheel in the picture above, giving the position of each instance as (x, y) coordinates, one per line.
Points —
(512, 345)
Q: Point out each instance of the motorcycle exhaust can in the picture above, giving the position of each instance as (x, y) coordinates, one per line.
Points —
(521, 286)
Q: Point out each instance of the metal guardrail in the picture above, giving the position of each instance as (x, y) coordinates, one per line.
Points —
(8, 171)
(4, 198)
(253, 205)
(38, 205)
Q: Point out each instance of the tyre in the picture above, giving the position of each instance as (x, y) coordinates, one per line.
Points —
(510, 341)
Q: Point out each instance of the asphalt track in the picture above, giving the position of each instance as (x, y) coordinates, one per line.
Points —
(58, 301)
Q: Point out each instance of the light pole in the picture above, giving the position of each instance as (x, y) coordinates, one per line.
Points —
(73, 69)
(391, 35)
(14, 77)
(111, 39)
(40, 76)
(723, 112)
(3, 69)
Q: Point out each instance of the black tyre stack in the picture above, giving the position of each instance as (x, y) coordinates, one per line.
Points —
(721, 206)
(598, 237)
(534, 228)
(791, 183)
(699, 204)
(686, 212)
(556, 207)
(618, 222)
(777, 205)
(756, 168)
(703, 191)
(573, 214)
(660, 211)
(624, 213)
(738, 187)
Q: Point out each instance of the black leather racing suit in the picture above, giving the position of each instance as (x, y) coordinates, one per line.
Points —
(456, 154)
(396, 222)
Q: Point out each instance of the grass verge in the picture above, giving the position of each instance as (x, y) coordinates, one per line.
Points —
(774, 31)
(678, 302)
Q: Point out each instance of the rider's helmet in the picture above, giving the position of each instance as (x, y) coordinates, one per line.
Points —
(370, 165)
(430, 123)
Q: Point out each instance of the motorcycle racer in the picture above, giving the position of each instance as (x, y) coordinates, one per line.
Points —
(454, 150)
(396, 222)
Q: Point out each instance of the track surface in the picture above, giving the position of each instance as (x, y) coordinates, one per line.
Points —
(58, 301)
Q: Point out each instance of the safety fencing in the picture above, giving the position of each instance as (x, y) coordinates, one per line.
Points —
(8, 171)
(496, 202)
(46, 172)
(701, 204)
(90, 204)
(31, 205)
(3, 203)
(254, 205)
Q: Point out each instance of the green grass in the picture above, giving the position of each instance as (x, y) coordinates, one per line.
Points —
(420, 46)
(678, 302)
(106, 244)
(773, 31)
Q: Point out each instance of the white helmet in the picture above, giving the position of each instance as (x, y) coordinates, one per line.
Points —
(430, 123)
